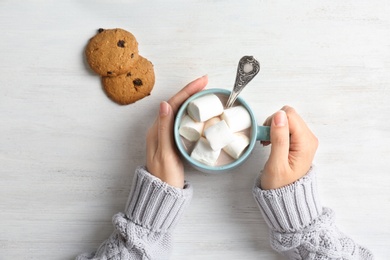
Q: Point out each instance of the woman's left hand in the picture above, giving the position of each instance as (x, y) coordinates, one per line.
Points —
(162, 159)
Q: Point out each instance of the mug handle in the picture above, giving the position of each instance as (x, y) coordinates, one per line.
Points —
(263, 133)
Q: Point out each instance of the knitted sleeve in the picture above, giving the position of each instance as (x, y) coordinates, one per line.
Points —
(300, 228)
(143, 231)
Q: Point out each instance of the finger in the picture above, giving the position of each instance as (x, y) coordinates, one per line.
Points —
(280, 139)
(151, 139)
(192, 88)
(165, 127)
(265, 143)
(296, 124)
(268, 121)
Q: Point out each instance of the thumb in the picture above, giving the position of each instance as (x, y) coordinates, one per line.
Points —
(280, 140)
(165, 126)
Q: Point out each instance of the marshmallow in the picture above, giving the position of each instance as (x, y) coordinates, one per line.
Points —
(219, 135)
(190, 129)
(237, 147)
(205, 107)
(203, 153)
(210, 122)
(237, 118)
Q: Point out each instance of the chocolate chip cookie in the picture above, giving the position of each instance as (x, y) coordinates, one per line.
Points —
(112, 52)
(136, 84)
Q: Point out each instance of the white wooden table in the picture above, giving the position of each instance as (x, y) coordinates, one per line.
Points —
(68, 153)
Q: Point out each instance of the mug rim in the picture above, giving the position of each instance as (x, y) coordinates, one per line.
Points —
(203, 167)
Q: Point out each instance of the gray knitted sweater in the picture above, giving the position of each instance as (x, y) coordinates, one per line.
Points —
(299, 227)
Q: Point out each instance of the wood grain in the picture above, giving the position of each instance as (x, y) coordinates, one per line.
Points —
(68, 153)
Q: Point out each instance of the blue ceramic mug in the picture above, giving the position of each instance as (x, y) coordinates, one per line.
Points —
(257, 133)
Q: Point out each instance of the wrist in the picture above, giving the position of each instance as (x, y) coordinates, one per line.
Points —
(281, 176)
(173, 176)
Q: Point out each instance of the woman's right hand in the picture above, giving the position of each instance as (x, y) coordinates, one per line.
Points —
(293, 147)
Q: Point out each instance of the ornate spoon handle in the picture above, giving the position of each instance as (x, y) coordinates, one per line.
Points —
(247, 69)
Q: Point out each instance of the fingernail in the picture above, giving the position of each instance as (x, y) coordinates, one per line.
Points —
(164, 108)
(280, 118)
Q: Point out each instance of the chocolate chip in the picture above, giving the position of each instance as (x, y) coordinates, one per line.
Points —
(121, 43)
(109, 72)
(132, 55)
(100, 30)
(137, 82)
(128, 74)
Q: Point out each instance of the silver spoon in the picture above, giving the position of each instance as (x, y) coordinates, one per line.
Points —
(247, 69)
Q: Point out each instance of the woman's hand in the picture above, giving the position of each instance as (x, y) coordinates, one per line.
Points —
(162, 159)
(292, 151)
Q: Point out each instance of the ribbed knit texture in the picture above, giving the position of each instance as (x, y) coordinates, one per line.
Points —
(154, 204)
(299, 227)
(291, 207)
(144, 230)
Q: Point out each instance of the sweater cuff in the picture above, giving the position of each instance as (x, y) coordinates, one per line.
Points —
(292, 207)
(154, 204)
